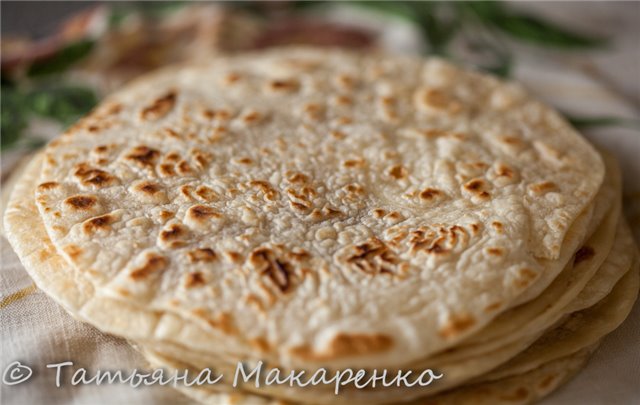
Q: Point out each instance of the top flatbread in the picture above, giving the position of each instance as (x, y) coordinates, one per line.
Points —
(321, 206)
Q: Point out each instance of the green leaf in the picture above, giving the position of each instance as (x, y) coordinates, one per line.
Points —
(603, 121)
(13, 117)
(62, 60)
(529, 28)
(64, 104)
(117, 15)
(486, 10)
(535, 30)
(440, 23)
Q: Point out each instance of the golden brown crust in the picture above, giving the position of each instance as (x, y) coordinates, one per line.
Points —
(346, 345)
(160, 107)
(153, 263)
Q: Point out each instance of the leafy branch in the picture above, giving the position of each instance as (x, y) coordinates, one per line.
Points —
(529, 28)
(59, 102)
(602, 121)
(441, 23)
(62, 60)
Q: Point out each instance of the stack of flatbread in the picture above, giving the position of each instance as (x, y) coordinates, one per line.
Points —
(325, 209)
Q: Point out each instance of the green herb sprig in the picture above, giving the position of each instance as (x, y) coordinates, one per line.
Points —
(62, 103)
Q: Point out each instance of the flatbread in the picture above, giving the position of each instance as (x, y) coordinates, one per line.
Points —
(76, 293)
(460, 369)
(577, 335)
(515, 390)
(296, 198)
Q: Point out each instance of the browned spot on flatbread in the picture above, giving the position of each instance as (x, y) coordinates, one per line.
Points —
(245, 161)
(345, 345)
(393, 216)
(233, 257)
(265, 187)
(194, 279)
(172, 156)
(354, 189)
(474, 185)
(202, 212)
(81, 202)
(548, 381)
(97, 177)
(493, 306)
(525, 277)
(505, 171)
(73, 251)
(498, 226)
(252, 117)
(148, 187)
(184, 167)
(202, 159)
(219, 114)
(167, 170)
(222, 322)
(398, 172)
(166, 215)
(518, 395)
(299, 206)
(46, 253)
(510, 140)
(278, 271)
(202, 255)
(438, 99)
(206, 193)
(153, 264)
(173, 234)
(283, 85)
(378, 213)
(354, 163)
(231, 78)
(542, 188)
(494, 251)
(100, 149)
(430, 193)
(160, 107)
(260, 343)
(456, 325)
(298, 178)
(372, 257)
(113, 109)
(583, 254)
(102, 222)
(49, 185)
(337, 134)
(298, 255)
(477, 187)
(143, 155)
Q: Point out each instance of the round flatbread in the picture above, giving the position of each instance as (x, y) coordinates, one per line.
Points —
(321, 206)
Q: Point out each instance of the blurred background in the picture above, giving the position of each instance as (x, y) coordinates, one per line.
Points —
(59, 58)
